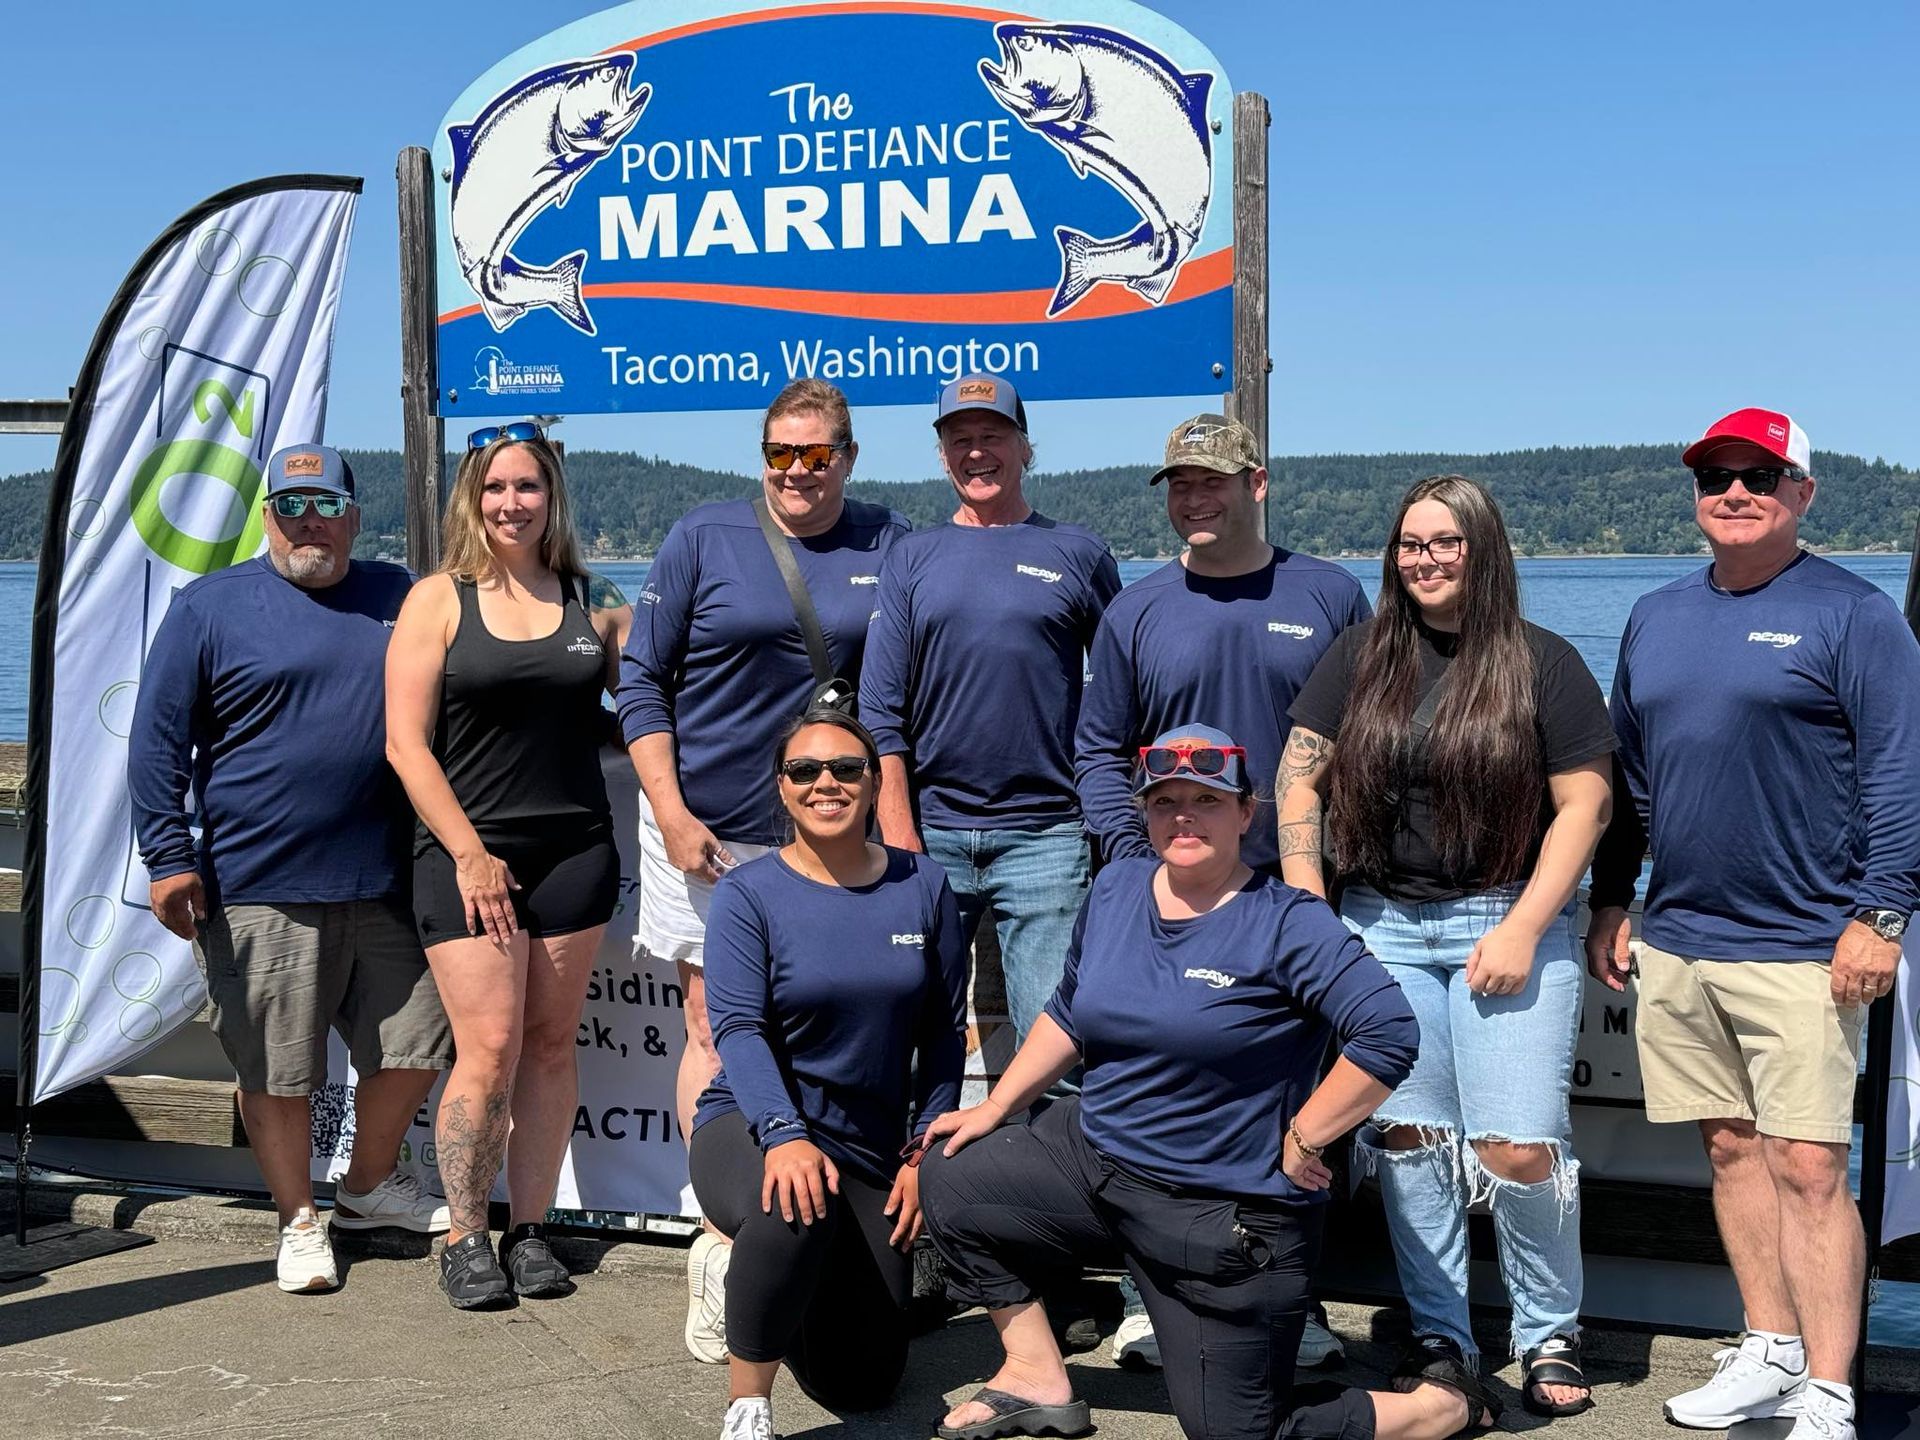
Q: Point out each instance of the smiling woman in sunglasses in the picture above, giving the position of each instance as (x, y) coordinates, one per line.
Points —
(1462, 754)
(1201, 996)
(717, 663)
(836, 983)
(495, 726)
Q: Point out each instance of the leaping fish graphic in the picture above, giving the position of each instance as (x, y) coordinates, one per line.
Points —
(1125, 112)
(527, 150)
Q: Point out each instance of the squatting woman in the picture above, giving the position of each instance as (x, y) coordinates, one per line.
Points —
(495, 727)
(836, 982)
(1200, 996)
(1461, 754)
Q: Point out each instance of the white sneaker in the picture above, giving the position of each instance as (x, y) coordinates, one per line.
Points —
(1819, 1414)
(400, 1200)
(305, 1262)
(1134, 1343)
(706, 1331)
(750, 1417)
(1747, 1384)
(1318, 1345)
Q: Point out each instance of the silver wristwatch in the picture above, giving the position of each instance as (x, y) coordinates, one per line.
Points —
(1887, 924)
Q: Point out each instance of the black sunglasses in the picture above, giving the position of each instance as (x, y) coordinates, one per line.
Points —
(1717, 479)
(292, 507)
(520, 431)
(845, 768)
(817, 456)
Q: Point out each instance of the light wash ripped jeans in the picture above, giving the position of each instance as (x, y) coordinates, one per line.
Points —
(1490, 1068)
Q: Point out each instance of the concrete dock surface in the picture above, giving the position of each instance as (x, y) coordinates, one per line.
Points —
(189, 1337)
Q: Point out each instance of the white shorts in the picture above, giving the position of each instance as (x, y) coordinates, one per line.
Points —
(672, 919)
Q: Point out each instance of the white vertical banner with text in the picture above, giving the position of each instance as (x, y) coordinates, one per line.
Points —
(627, 1154)
(213, 354)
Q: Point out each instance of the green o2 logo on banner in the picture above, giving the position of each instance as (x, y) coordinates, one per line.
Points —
(196, 457)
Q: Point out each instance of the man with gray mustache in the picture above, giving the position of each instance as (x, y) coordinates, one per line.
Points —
(264, 695)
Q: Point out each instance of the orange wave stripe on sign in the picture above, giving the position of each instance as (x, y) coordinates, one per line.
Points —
(995, 307)
(799, 12)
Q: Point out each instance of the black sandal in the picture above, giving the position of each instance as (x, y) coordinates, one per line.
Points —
(1554, 1361)
(1436, 1360)
(1015, 1415)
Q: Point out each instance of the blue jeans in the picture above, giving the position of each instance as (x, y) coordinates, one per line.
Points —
(1490, 1068)
(1033, 883)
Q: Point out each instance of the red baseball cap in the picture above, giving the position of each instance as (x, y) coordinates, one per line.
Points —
(1769, 429)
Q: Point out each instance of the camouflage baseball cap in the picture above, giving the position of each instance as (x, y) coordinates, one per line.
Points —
(1212, 442)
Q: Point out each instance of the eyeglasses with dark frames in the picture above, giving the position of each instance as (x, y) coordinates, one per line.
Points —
(1441, 549)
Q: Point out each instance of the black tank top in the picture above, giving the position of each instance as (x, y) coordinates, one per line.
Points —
(521, 727)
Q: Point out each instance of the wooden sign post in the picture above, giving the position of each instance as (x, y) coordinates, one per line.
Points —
(423, 431)
(1251, 362)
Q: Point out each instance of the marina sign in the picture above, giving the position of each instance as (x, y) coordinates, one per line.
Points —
(683, 206)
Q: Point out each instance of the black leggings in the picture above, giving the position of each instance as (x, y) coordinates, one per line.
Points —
(828, 1298)
(1225, 1284)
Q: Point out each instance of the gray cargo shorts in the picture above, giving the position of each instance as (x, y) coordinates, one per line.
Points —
(280, 975)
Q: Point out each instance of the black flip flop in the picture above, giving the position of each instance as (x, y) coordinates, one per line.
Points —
(1015, 1415)
(1554, 1361)
(1439, 1361)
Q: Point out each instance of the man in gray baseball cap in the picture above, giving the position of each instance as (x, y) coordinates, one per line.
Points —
(1231, 630)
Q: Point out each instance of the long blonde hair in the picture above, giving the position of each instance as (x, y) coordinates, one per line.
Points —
(464, 552)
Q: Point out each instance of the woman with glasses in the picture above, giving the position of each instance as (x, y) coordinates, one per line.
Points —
(716, 664)
(1461, 755)
(495, 726)
(1200, 996)
(836, 985)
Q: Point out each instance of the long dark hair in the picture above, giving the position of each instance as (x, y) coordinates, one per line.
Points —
(1483, 755)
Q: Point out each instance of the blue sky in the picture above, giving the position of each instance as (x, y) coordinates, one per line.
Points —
(1495, 224)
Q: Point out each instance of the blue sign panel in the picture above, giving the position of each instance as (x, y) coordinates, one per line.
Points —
(685, 205)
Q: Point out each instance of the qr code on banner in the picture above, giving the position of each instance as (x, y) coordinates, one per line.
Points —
(332, 1125)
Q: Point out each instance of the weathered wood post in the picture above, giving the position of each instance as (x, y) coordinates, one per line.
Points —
(424, 434)
(1251, 363)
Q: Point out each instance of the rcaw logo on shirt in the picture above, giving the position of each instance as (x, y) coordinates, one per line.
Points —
(1775, 638)
(1298, 632)
(1052, 577)
(1213, 978)
(910, 939)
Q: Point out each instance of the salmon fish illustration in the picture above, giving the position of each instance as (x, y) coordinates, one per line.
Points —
(527, 150)
(1115, 107)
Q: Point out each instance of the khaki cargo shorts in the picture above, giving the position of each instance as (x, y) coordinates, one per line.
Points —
(1757, 1040)
(281, 975)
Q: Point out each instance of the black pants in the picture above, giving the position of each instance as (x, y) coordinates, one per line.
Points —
(1225, 1283)
(828, 1298)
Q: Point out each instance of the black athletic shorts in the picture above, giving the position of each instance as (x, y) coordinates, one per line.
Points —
(564, 887)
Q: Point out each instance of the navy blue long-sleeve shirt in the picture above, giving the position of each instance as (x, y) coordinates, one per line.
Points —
(716, 659)
(1770, 739)
(1227, 651)
(1202, 1038)
(975, 665)
(821, 997)
(268, 701)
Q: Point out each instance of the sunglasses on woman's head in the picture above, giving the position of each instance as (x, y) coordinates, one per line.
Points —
(844, 768)
(519, 432)
(327, 507)
(1717, 479)
(817, 456)
(1209, 760)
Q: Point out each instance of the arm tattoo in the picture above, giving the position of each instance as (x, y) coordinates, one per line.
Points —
(1302, 836)
(603, 594)
(1306, 756)
(470, 1155)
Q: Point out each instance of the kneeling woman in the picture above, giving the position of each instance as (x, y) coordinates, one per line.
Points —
(1200, 996)
(836, 983)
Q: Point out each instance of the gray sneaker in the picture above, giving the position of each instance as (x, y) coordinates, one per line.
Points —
(398, 1200)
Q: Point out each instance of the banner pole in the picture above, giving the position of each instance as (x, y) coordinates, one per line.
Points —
(423, 432)
(1251, 362)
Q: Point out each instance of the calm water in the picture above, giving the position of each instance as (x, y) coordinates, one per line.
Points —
(1586, 600)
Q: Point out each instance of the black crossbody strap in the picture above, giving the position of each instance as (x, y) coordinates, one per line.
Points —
(1427, 709)
(803, 610)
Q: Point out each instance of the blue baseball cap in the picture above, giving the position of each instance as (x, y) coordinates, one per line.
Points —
(982, 392)
(1232, 777)
(309, 467)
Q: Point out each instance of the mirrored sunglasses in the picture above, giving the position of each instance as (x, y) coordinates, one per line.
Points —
(520, 431)
(815, 457)
(327, 507)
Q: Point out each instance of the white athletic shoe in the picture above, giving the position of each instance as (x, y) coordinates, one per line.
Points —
(1819, 1414)
(706, 1331)
(398, 1200)
(750, 1417)
(1319, 1346)
(1747, 1384)
(1134, 1343)
(305, 1262)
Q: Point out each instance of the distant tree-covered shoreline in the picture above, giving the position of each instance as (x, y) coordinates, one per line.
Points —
(1586, 500)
